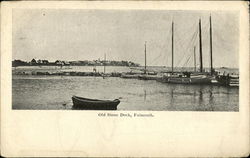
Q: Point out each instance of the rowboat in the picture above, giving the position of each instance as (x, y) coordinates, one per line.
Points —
(94, 104)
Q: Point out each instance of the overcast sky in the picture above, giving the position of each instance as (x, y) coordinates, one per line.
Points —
(87, 34)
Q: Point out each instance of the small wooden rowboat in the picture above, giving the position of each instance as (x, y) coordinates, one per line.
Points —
(94, 104)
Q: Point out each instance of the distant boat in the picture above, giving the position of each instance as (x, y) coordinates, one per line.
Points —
(94, 104)
(104, 67)
(223, 67)
(147, 75)
(228, 80)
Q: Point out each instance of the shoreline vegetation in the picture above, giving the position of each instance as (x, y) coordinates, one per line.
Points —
(61, 63)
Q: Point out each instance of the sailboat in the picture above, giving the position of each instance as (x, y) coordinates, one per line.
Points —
(147, 75)
(104, 67)
(188, 77)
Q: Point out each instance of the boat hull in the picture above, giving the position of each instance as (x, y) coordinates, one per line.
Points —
(130, 76)
(228, 81)
(185, 80)
(148, 77)
(94, 104)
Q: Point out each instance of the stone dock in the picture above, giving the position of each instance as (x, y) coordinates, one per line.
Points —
(67, 73)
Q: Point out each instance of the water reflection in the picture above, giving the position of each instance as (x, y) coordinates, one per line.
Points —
(211, 99)
(172, 98)
(200, 97)
(56, 92)
(145, 95)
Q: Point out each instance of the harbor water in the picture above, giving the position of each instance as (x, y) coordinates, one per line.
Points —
(55, 92)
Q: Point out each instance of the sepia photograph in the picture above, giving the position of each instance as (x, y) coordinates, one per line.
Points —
(124, 79)
(127, 60)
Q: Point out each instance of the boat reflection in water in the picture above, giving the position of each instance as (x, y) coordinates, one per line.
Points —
(201, 98)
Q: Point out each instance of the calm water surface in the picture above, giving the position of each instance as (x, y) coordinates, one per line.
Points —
(55, 92)
(110, 69)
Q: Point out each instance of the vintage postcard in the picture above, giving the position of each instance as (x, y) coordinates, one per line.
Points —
(126, 79)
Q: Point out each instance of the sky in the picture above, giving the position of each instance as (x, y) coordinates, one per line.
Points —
(74, 34)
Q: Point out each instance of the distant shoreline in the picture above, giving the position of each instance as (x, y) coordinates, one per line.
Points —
(39, 62)
(123, 66)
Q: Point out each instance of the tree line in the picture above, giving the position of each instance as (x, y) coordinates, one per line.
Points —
(39, 62)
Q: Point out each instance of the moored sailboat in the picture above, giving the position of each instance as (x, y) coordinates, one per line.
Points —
(148, 75)
(189, 77)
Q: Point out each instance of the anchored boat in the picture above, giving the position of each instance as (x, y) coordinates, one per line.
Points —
(190, 77)
(147, 75)
(228, 80)
(183, 78)
(130, 75)
(94, 104)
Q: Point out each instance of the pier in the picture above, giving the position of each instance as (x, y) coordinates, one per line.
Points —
(68, 73)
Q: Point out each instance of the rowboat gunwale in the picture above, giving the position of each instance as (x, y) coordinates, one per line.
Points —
(94, 104)
(93, 100)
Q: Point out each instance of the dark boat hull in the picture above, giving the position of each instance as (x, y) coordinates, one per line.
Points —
(94, 104)
(228, 81)
(148, 77)
(129, 76)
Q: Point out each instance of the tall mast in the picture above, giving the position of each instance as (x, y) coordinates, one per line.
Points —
(172, 47)
(200, 39)
(104, 64)
(211, 46)
(145, 70)
(194, 60)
